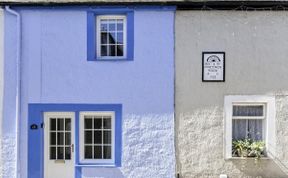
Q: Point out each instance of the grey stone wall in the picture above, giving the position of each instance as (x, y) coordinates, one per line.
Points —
(256, 46)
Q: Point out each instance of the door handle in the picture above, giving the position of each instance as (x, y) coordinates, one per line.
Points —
(72, 148)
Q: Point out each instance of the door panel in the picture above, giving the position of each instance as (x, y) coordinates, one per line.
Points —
(59, 145)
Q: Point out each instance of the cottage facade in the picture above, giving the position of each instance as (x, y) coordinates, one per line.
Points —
(94, 94)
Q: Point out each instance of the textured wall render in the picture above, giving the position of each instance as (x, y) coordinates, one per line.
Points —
(256, 47)
(55, 70)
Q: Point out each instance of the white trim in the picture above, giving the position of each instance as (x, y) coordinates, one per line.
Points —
(270, 112)
(81, 136)
(98, 36)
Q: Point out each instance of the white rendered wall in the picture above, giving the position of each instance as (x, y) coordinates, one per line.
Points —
(256, 46)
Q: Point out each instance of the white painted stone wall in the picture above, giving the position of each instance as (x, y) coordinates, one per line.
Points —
(148, 149)
(256, 46)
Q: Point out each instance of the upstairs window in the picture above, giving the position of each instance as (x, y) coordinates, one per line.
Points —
(111, 35)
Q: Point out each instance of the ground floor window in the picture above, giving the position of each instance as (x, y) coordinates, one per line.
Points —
(246, 126)
(97, 131)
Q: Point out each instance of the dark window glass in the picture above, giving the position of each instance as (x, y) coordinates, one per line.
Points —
(107, 152)
(88, 123)
(67, 124)
(67, 138)
(97, 152)
(53, 124)
(107, 137)
(88, 152)
(52, 152)
(88, 137)
(52, 138)
(60, 124)
(97, 137)
(97, 123)
(67, 153)
(107, 122)
(60, 153)
(60, 138)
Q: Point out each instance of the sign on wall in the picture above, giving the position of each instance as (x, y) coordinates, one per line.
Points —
(213, 66)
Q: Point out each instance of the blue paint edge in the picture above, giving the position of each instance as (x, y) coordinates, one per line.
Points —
(36, 137)
(91, 33)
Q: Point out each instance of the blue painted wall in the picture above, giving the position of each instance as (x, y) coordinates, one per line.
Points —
(55, 70)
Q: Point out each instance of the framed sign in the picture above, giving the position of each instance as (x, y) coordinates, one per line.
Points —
(213, 66)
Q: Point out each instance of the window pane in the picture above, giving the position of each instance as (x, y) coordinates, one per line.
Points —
(97, 137)
(120, 25)
(112, 38)
(104, 50)
(119, 50)
(88, 137)
(88, 152)
(67, 153)
(98, 123)
(52, 124)
(107, 152)
(239, 129)
(53, 138)
(97, 152)
(120, 38)
(60, 138)
(107, 122)
(60, 153)
(88, 123)
(67, 124)
(256, 110)
(112, 50)
(104, 26)
(255, 129)
(104, 38)
(112, 26)
(67, 138)
(107, 137)
(52, 152)
(60, 124)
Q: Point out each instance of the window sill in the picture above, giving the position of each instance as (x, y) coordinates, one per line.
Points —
(96, 165)
(248, 158)
(111, 60)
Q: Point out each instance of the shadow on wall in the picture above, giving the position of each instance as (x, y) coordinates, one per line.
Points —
(102, 173)
(263, 168)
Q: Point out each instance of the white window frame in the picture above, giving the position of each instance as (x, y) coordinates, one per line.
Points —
(268, 124)
(98, 36)
(81, 133)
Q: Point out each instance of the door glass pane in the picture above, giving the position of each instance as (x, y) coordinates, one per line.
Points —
(60, 138)
(60, 124)
(67, 138)
(60, 153)
(67, 124)
(67, 152)
(52, 138)
(97, 152)
(52, 124)
(52, 152)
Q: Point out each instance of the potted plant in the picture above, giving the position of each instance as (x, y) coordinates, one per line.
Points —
(248, 148)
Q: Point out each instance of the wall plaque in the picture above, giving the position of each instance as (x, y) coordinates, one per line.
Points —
(213, 66)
